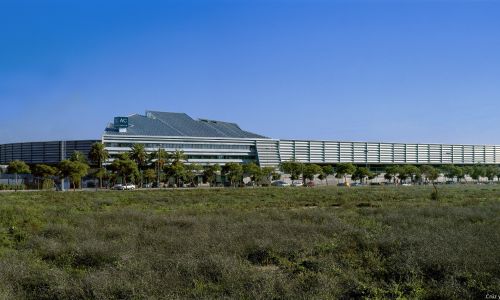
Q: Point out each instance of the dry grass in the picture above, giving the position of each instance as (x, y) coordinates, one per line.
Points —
(252, 243)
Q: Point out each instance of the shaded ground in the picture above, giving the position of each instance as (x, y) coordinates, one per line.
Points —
(373, 242)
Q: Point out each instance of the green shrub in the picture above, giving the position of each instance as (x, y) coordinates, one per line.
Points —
(11, 187)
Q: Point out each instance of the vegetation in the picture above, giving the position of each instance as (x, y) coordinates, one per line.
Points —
(18, 167)
(294, 168)
(74, 171)
(344, 169)
(310, 171)
(234, 173)
(159, 158)
(327, 170)
(98, 154)
(125, 167)
(266, 243)
(210, 174)
(45, 173)
(12, 187)
(361, 173)
(173, 169)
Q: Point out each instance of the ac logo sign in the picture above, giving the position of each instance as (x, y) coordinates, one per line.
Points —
(121, 122)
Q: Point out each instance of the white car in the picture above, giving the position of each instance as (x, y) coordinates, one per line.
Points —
(122, 187)
(129, 187)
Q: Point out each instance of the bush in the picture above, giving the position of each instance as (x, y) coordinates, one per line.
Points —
(11, 187)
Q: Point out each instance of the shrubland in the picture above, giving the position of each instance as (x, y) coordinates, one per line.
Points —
(252, 243)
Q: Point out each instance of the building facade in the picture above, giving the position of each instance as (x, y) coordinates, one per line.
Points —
(43, 152)
(209, 141)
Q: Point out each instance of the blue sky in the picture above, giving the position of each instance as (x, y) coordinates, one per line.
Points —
(409, 71)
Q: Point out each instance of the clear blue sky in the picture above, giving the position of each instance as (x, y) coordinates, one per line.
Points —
(409, 71)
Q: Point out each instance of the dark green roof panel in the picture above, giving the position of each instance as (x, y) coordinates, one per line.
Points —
(156, 123)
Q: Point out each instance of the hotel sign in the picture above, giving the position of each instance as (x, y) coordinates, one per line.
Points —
(121, 122)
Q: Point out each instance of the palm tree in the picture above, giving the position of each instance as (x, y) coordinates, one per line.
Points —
(78, 156)
(178, 156)
(177, 167)
(98, 155)
(139, 155)
(159, 158)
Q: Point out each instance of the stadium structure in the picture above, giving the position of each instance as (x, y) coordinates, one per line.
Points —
(209, 142)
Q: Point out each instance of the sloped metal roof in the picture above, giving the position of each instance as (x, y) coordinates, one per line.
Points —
(156, 123)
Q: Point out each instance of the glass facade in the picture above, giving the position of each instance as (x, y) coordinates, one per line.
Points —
(184, 146)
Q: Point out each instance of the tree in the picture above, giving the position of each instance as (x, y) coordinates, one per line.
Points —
(491, 172)
(45, 172)
(478, 171)
(74, 170)
(191, 173)
(467, 171)
(98, 155)
(344, 169)
(327, 171)
(78, 156)
(293, 168)
(268, 174)
(100, 173)
(178, 156)
(210, 174)
(459, 173)
(403, 173)
(431, 174)
(310, 171)
(391, 172)
(411, 171)
(159, 158)
(176, 170)
(125, 167)
(149, 175)
(361, 173)
(253, 171)
(452, 172)
(140, 156)
(234, 173)
(18, 167)
(177, 167)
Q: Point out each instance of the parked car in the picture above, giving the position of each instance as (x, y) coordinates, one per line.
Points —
(280, 183)
(122, 187)
(129, 187)
(118, 187)
(310, 184)
(297, 183)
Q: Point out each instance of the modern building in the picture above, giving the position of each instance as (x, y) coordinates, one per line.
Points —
(209, 141)
(43, 152)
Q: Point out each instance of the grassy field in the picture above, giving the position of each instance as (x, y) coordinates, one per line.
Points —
(253, 243)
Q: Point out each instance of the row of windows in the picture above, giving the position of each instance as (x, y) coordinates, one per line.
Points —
(185, 146)
(243, 157)
(247, 157)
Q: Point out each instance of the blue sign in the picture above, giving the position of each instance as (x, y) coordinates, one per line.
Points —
(121, 122)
